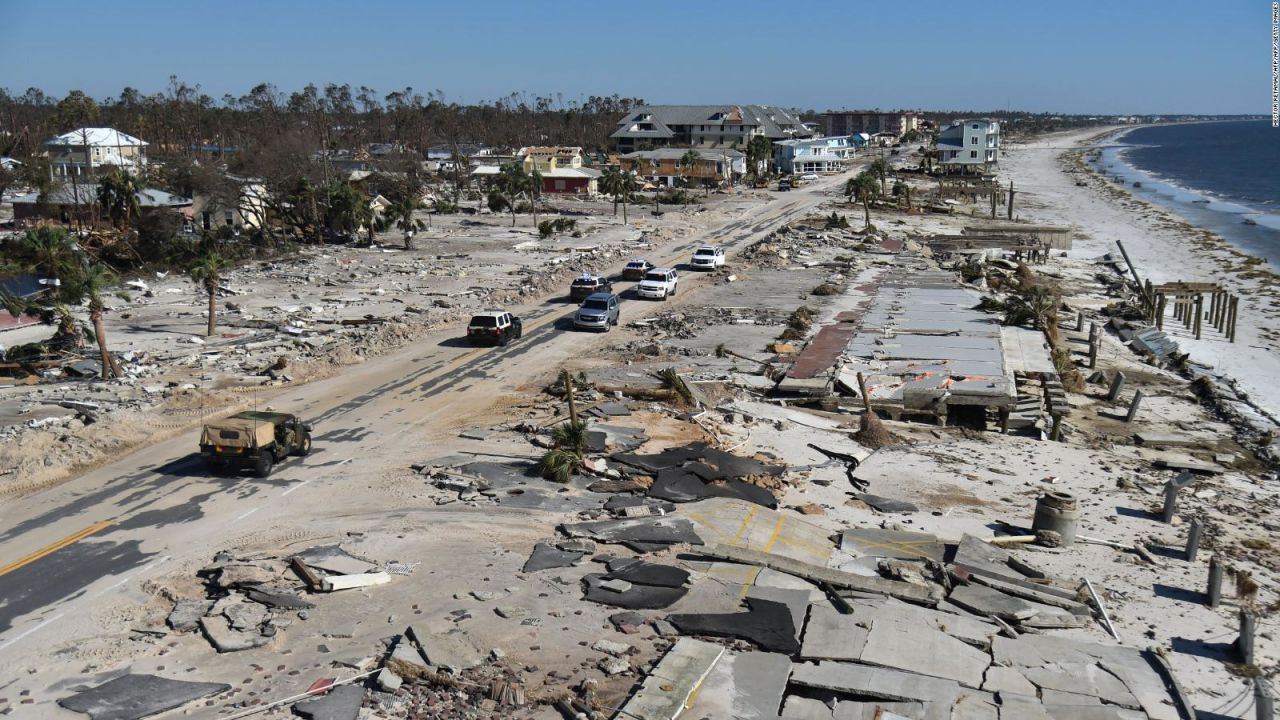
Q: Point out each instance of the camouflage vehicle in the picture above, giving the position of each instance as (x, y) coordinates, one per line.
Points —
(252, 439)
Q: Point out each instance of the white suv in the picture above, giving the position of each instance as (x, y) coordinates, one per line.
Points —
(707, 257)
(658, 284)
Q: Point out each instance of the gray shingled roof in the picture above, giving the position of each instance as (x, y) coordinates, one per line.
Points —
(774, 120)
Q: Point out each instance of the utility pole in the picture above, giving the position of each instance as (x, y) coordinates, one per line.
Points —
(1010, 199)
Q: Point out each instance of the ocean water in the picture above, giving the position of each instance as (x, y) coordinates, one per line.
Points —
(1221, 176)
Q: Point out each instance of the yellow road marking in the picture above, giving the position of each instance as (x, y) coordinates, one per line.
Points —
(55, 547)
(773, 537)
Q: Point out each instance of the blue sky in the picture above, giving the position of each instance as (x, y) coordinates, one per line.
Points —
(1088, 56)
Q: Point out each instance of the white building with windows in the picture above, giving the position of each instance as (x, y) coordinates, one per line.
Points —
(824, 155)
(82, 152)
(969, 145)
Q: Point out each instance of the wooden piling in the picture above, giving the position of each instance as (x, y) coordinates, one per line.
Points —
(1214, 592)
(1160, 311)
(1244, 643)
(1093, 345)
(1193, 539)
(1199, 309)
(1116, 384)
(1264, 701)
(1232, 317)
(1133, 406)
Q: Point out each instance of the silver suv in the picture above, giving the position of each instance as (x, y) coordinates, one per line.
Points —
(597, 312)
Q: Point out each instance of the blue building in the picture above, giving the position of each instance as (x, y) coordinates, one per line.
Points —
(823, 155)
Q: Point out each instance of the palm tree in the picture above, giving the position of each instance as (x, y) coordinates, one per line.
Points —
(48, 251)
(688, 162)
(535, 191)
(118, 197)
(881, 169)
(207, 271)
(89, 284)
(512, 182)
(401, 215)
(619, 184)
(865, 188)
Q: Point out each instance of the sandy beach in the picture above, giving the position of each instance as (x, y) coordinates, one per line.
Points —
(1163, 246)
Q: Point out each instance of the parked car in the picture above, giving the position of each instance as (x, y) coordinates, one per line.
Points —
(809, 177)
(597, 312)
(586, 285)
(784, 184)
(659, 284)
(707, 257)
(494, 327)
(636, 268)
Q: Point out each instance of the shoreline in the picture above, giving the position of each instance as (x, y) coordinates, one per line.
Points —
(1164, 246)
(1205, 209)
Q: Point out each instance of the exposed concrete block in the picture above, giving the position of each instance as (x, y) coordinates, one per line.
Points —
(926, 650)
(828, 635)
(665, 692)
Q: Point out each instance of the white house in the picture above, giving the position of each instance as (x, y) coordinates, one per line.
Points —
(969, 145)
(83, 151)
(817, 155)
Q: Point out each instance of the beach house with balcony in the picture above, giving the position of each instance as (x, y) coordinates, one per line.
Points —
(969, 146)
(823, 155)
(83, 152)
(667, 166)
(704, 126)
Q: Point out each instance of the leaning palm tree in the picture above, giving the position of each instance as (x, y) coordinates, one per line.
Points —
(207, 271)
(91, 283)
(619, 184)
(47, 251)
(880, 169)
(688, 162)
(534, 187)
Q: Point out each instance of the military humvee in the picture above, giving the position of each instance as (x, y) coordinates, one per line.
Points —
(252, 439)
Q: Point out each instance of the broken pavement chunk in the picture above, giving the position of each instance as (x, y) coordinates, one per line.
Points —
(668, 689)
(642, 534)
(825, 575)
(886, 505)
(985, 601)
(454, 650)
(766, 623)
(133, 696)
(637, 597)
(186, 614)
(545, 557)
(347, 582)
(333, 559)
(340, 703)
(218, 629)
(900, 544)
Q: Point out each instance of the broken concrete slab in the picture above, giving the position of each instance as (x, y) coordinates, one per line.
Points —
(976, 556)
(683, 485)
(975, 632)
(925, 650)
(1082, 679)
(973, 707)
(277, 597)
(218, 629)
(829, 635)
(545, 557)
(334, 583)
(747, 525)
(985, 602)
(186, 614)
(1007, 680)
(766, 623)
(134, 696)
(824, 575)
(802, 708)
(340, 703)
(886, 505)
(635, 597)
(237, 575)
(647, 573)
(666, 691)
(898, 544)
(642, 534)
(246, 616)
(453, 650)
(854, 710)
(333, 559)
(797, 602)
(874, 682)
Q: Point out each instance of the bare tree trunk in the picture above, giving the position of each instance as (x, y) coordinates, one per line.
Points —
(110, 368)
(213, 307)
(624, 209)
(866, 210)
